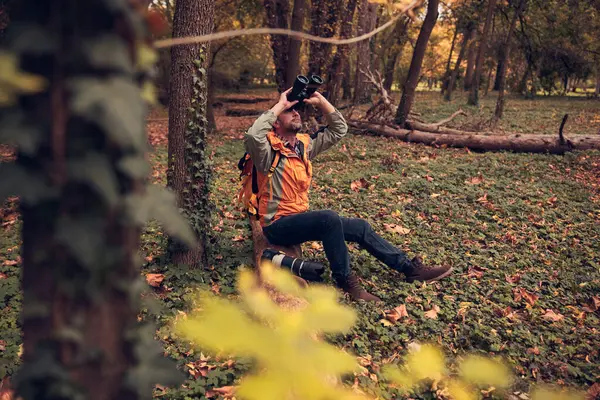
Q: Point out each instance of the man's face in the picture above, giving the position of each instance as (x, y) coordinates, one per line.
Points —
(289, 121)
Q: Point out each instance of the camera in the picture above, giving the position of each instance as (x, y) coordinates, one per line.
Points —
(303, 88)
(308, 270)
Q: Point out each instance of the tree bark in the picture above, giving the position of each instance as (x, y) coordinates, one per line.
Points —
(192, 18)
(324, 18)
(501, 78)
(472, 57)
(454, 75)
(474, 94)
(514, 142)
(85, 167)
(295, 45)
(367, 17)
(277, 17)
(410, 85)
(395, 52)
(340, 59)
(598, 84)
(501, 62)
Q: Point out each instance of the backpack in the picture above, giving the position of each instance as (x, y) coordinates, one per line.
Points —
(248, 193)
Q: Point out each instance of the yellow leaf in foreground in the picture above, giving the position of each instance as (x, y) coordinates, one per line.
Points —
(546, 393)
(427, 362)
(459, 391)
(480, 370)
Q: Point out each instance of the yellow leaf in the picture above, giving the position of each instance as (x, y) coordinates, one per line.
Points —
(404, 380)
(546, 393)
(146, 57)
(14, 82)
(483, 371)
(149, 93)
(459, 391)
(427, 362)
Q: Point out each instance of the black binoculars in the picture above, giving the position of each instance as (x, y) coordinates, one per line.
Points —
(303, 88)
(308, 270)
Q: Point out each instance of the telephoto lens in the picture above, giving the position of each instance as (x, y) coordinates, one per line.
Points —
(308, 270)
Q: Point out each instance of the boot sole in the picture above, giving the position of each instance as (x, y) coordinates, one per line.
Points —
(437, 278)
(442, 276)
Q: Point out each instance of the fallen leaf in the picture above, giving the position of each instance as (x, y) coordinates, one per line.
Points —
(3, 276)
(238, 238)
(2, 345)
(433, 312)
(594, 391)
(520, 293)
(476, 180)
(552, 316)
(533, 350)
(476, 272)
(593, 304)
(396, 229)
(359, 184)
(396, 314)
(316, 246)
(225, 391)
(429, 178)
(513, 278)
(154, 280)
(10, 262)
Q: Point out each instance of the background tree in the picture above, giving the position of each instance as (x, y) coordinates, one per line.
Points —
(277, 16)
(367, 18)
(189, 174)
(295, 45)
(340, 58)
(414, 72)
(474, 94)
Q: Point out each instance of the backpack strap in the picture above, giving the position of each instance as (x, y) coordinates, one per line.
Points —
(254, 198)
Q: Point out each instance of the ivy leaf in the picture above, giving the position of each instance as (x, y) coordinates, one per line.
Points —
(160, 204)
(15, 130)
(83, 237)
(95, 170)
(17, 181)
(108, 51)
(113, 104)
(135, 167)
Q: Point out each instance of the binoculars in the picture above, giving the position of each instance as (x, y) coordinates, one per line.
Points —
(308, 270)
(303, 88)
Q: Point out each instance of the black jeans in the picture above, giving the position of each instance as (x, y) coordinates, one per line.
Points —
(334, 231)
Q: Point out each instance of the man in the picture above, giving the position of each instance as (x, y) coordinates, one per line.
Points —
(283, 202)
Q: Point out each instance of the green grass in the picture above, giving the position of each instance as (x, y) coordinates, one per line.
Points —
(506, 222)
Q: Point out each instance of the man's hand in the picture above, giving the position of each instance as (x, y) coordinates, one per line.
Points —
(283, 103)
(317, 100)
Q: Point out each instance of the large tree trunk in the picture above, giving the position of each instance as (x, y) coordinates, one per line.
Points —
(277, 17)
(346, 85)
(598, 84)
(410, 85)
(340, 59)
(187, 130)
(474, 94)
(324, 18)
(367, 17)
(295, 45)
(79, 175)
(401, 37)
(471, 59)
(501, 79)
(513, 142)
(502, 60)
(454, 75)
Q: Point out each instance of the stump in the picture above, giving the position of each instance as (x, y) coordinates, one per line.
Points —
(261, 243)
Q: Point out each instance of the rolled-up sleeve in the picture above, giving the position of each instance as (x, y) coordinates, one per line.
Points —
(256, 142)
(336, 129)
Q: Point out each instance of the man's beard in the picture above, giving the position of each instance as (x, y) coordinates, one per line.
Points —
(295, 127)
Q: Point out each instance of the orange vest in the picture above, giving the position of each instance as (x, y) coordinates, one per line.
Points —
(286, 191)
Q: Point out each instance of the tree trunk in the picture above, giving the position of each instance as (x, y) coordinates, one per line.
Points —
(324, 18)
(187, 174)
(449, 62)
(295, 45)
(502, 60)
(367, 17)
(340, 59)
(472, 57)
(501, 78)
(277, 17)
(410, 85)
(474, 94)
(395, 53)
(598, 84)
(454, 75)
(346, 86)
(81, 146)
(514, 142)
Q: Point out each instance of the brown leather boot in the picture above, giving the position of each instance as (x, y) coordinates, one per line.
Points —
(428, 273)
(352, 286)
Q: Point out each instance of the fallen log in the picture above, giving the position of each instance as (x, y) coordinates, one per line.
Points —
(520, 143)
(242, 112)
(244, 100)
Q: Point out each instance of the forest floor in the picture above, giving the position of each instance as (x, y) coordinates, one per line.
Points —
(522, 232)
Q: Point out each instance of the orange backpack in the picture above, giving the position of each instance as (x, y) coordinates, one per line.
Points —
(249, 191)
